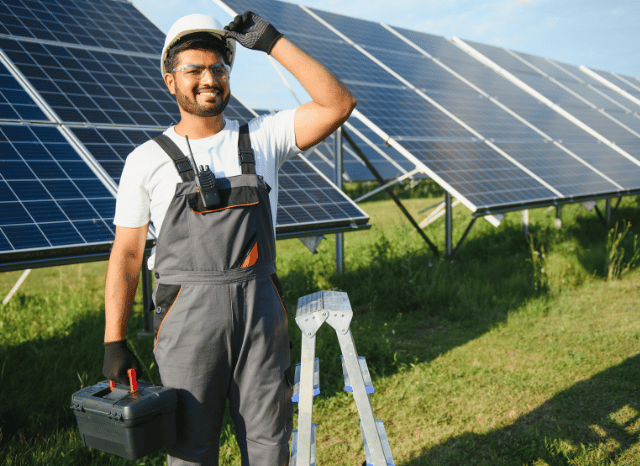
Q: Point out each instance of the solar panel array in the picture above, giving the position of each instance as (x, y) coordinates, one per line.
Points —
(483, 138)
(387, 161)
(79, 89)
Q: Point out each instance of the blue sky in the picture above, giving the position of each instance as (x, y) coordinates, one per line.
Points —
(601, 34)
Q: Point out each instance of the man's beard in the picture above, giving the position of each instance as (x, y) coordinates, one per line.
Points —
(194, 108)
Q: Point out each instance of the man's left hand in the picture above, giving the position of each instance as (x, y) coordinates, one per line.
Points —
(253, 32)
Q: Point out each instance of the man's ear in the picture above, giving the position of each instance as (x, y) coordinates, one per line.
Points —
(170, 81)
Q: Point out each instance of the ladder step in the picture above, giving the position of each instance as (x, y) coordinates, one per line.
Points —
(368, 384)
(294, 447)
(316, 381)
(385, 445)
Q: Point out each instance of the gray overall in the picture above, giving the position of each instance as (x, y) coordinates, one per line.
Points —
(220, 320)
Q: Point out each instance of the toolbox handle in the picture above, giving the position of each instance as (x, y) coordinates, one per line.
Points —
(133, 382)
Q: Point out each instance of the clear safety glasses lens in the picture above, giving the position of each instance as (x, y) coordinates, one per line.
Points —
(219, 71)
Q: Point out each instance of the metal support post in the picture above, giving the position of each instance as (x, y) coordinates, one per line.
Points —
(464, 236)
(615, 209)
(525, 221)
(380, 180)
(448, 242)
(338, 179)
(17, 285)
(558, 220)
(607, 211)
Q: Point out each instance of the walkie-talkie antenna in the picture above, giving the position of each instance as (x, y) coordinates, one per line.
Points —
(193, 160)
(205, 180)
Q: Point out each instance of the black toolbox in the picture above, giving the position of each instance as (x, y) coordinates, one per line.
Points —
(131, 424)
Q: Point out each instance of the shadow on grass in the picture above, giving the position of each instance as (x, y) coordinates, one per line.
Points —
(593, 422)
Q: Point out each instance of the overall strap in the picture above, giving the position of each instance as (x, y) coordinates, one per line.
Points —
(185, 170)
(245, 152)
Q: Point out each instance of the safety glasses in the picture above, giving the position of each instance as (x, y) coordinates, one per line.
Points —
(219, 71)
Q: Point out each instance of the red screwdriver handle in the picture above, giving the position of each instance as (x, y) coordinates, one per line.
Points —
(133, 381)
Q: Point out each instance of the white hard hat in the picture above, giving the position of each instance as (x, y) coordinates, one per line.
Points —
(197, 23)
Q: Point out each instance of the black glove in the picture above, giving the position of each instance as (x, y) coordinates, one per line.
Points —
(253, 32)
(117, 359)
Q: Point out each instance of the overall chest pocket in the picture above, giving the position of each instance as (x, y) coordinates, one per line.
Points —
(242, 196)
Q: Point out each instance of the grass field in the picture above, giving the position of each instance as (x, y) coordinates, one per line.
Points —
(522, 351)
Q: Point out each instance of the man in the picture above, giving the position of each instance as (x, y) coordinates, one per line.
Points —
(221, 325)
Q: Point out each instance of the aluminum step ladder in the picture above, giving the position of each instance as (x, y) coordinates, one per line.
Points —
(334, 308)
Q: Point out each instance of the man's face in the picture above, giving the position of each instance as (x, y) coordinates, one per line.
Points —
(203, 96)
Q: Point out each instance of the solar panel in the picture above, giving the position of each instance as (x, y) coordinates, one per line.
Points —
(628, 84)
(526, 106)
(578, 108)
(596, 94)
(94, 65)
(478, 173)
(15, 103)
(49, 197)
(107, 24)
(307, 199)
(597, 86)
(441, 120)
(84, 86)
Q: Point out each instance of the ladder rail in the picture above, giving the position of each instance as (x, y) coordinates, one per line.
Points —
(360, 396)
(305, 405)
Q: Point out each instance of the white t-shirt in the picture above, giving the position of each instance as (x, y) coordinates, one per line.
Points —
(149, 177)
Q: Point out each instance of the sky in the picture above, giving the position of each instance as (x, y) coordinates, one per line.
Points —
(600, 34)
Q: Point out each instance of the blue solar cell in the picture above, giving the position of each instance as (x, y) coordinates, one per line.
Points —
(28, 190)
(94, 231)
(32, 151)
(93, 189)
(76, 170)
(45, 212)
(27, 236)
(47, 170)
(6, 194)
(14, 214)
(7, 151)
(64, 189)
(4, 242)
(15, 170)
(62, 234)
(77, 209)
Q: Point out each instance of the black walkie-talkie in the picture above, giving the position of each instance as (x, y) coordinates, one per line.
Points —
(206, 181)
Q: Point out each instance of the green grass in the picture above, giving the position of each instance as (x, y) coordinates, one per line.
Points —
(522, 351)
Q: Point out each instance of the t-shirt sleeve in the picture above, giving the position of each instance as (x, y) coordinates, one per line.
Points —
(280, 131)
(132, 201)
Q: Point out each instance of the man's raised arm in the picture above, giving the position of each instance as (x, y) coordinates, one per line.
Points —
(331, 103)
